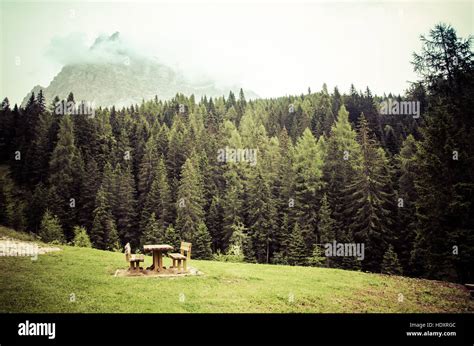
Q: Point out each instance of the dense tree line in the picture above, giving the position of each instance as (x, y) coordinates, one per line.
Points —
(328, 167)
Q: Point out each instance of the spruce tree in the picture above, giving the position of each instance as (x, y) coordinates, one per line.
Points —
(308, 162)
(65, 173)
(39, 154)
(262, 216)
(81, 238)
(153, 233)
(104, 232)
(90, 186)
(296, 247)
(231, 206)
(390, 263)
(50, 229)
(214, 222)
(172, 237)
(201, 243)
(340, 166)
(124, 209)
(369, 203)
(326, 223)
(444, 184)
(37, 205)
(190, 203)
(406, 202)
(6, 130)
(147, 170)
(158, 199)
(13, 204)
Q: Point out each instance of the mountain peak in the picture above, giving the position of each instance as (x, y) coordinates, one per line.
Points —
(113, 73)
(104, 40)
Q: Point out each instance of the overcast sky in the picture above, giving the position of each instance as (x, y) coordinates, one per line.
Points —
(274, 48)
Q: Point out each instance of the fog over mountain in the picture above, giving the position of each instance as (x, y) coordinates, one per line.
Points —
(111, 72)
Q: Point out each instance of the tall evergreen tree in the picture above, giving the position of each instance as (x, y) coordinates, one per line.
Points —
(65, 173)
(308, 162)
(296, 246)
(125, 208)
(89, 188)
(326, 223)
(201, 240)
(104, 232)
(340, 167)
(158, 200)
(369, 203)
(262, 216)
(189, 205)
(232, 204)
(406, 202)
(445, 181)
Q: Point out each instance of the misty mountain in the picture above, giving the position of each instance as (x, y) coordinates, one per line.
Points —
(113, 74)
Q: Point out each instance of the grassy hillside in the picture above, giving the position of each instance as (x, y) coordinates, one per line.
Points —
(46, 285)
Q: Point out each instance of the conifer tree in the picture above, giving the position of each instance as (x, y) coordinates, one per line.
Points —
(90, 186)
(232, 206)
(317, 258)
(104, 232)
(369, 203)
(214, 222)
(124, 209)
(6, 130)
(201, 241)
(37, 206)
(153, 233)
(39, 154)
(177, 150)
(158, 199)
(406, 201)
(13, 205)
(262, 216)
(147, 170)
(65, 173)
(50, 229)
(340, 167)
(444, 183)
(296, 247)
(81, 238)
(390, 263)
(325, 223)
(172, 237)
(189, 205)
(308, 162)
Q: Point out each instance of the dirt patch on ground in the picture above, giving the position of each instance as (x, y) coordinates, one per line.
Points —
(166, 273)
(13, 247)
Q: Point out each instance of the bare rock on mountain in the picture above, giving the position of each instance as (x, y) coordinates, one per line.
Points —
(112, 74)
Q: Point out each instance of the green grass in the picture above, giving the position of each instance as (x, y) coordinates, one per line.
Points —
(46, 285)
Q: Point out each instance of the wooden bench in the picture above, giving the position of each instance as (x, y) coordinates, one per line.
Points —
(134, 260)
(182, 257)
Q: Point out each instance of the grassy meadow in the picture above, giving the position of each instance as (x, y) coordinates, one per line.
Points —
(47, 285)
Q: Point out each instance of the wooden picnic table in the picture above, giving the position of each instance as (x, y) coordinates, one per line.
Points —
(157, 250)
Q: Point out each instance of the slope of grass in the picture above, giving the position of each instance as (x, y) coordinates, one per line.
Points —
(47, 285)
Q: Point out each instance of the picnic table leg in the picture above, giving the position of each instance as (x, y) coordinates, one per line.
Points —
(160, 261)
(155, 261)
